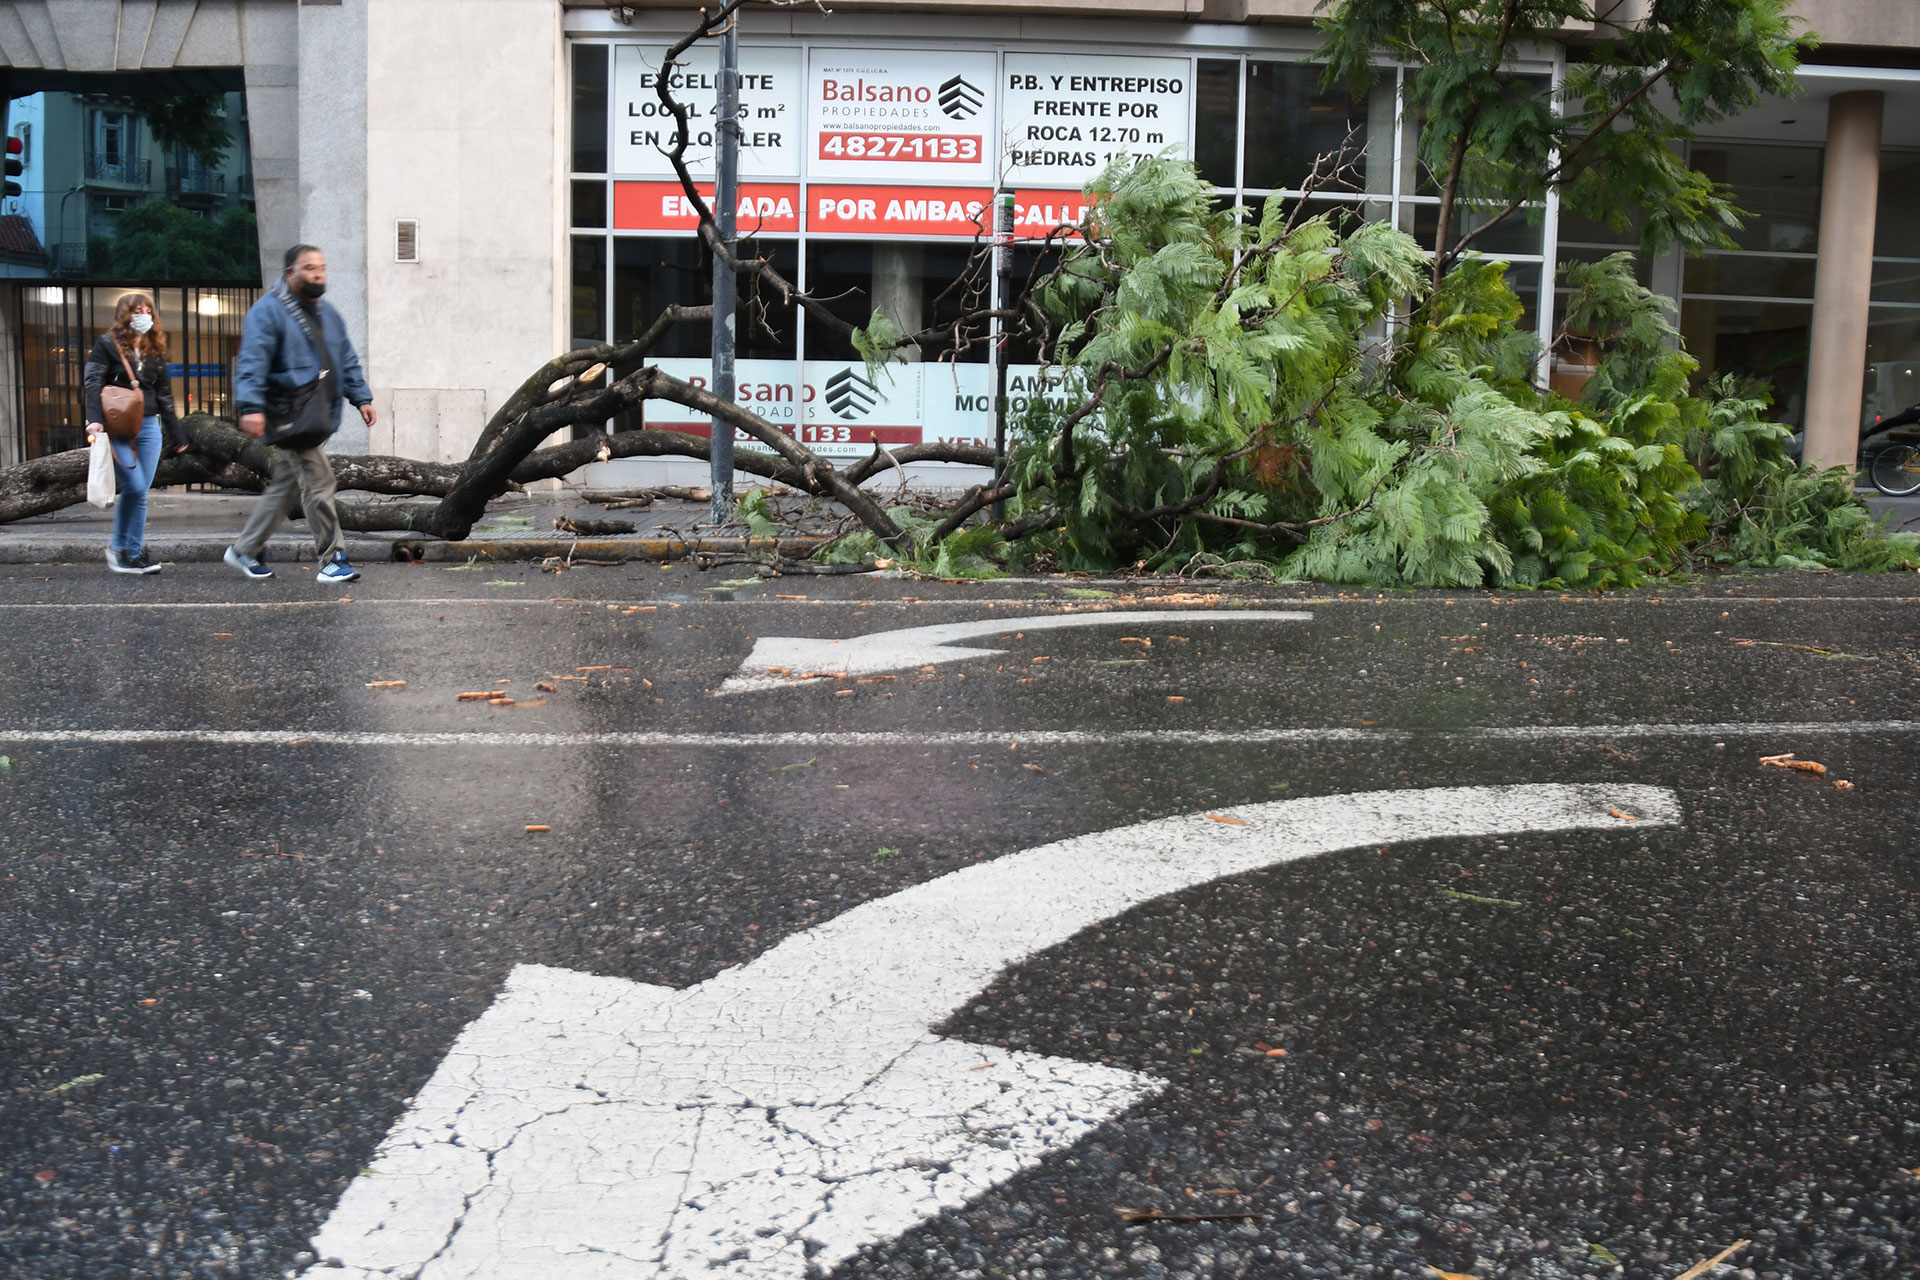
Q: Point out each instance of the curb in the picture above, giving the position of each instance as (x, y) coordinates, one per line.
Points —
(415, 548)
(434, 549)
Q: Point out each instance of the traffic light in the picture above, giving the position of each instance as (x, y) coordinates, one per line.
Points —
(16, 149)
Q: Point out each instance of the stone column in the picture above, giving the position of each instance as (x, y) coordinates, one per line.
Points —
(1849, 195)
(333, 173)
(271, 60)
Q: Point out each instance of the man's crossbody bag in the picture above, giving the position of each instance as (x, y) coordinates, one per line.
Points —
(306, 416)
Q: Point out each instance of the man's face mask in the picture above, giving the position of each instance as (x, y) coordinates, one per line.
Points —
(310, 289)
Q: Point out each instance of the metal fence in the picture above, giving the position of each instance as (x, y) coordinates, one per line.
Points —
(58, 323)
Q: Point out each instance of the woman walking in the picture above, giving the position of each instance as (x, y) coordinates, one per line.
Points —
(133, 354)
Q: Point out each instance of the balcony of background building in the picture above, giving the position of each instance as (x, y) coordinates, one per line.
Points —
(195, 182)
(118, 171)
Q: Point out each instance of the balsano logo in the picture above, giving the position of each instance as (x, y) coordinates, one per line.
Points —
(851, 396)
(959, 99)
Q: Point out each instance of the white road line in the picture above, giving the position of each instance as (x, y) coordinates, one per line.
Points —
(1025, 737)
(772, 1121)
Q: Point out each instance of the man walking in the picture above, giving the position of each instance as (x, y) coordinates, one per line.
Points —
(294, 367)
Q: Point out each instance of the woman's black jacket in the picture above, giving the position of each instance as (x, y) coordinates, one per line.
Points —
(105, 370)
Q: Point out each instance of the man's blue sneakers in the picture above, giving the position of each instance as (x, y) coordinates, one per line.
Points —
(249, 566)
(337, 570)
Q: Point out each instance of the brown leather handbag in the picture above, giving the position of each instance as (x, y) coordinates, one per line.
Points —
(122, 408)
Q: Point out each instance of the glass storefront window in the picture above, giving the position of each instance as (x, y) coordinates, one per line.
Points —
(653, 273)
(1642, 269)
(589, 288)
(589, 205)
(1896, 232)
(1416, 178)
(1521, 232)
(1751, 275)
(1584, 240)
(1216, 130)
(1750, 312)
(1291, 123)
(203, 349)
(1757, 339)
(765, 327)
(1575, 229)
(589, 107)
(1893, 361)
(1779, 187)
(917, 286)
(1029, 266)
(1896, 280)
(1893, 319)
(1345, 215)
(1524, 279)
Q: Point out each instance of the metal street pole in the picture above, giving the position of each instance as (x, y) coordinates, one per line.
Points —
(1003, 290)
(726, 181)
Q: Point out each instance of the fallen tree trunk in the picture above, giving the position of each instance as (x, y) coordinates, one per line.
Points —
(221, 441)
(43, 484)
(386, 517)
(570, 391)
(59, 481)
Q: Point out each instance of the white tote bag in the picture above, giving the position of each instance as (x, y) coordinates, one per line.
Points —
(100, 482)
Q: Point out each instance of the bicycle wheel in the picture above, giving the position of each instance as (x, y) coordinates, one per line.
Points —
(1895, 470)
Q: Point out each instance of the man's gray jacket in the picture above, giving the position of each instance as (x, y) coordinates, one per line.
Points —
(275, 357)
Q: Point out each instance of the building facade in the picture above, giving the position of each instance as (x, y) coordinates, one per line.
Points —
(89, 158)
(486, 177)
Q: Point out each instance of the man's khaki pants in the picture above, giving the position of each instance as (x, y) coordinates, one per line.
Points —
(307, 472)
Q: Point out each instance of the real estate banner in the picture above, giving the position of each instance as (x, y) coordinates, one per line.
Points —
(762, 208)
(890, 115)
(839, 409)
(1065, 116)
(770, 97)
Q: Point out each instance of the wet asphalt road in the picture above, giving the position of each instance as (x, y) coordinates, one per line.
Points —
(230, 951)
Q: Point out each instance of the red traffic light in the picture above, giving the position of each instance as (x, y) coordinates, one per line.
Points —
(16, 147)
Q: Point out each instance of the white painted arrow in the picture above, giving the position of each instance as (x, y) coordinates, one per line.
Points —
(778, 661)
(782, 1115)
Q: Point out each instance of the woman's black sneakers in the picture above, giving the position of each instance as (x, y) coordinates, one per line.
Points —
(120, 562)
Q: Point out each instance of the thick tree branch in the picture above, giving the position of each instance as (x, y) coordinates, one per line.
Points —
(654, 384)
(975, 499)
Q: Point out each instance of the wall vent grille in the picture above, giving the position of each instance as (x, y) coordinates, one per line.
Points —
(406, 240)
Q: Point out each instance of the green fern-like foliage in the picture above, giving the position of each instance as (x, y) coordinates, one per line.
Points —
(1607, 506)
(1762, 508)
(1274, 397)
(974, 551)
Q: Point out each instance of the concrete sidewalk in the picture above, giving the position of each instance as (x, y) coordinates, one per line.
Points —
(184, 526)
(187, 526)
(1905, 511)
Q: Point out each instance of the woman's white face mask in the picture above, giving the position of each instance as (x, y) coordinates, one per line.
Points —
(140, 322)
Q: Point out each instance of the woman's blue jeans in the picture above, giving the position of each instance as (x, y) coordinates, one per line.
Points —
(133, 466)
